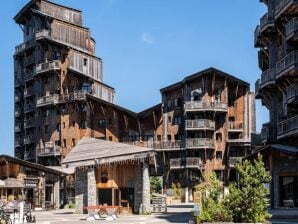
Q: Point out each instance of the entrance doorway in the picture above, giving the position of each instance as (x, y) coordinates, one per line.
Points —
(289, 191)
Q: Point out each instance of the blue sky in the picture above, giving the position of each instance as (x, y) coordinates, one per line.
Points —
(148, 44)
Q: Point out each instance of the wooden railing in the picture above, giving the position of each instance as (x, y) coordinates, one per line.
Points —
(266, 20)
(29, 107)
(155, 144)
(49, 151)
(281, 5)
(267, 132)
(292, 27)
(188, 162)
(289, 60)
(29, 60)
(28, 139)
(235, 125)
(267, 76)
(287, 126)
(47, 66)
(199, 143)
(199, 124)
(23, 46)
(29, 91)
(292, 92)
(204, 105)
(29, 123)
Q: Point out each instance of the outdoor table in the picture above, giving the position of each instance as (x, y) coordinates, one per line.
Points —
(110, 210)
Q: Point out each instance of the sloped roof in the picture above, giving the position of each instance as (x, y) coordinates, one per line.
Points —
(287, 149)
(91, 151)
(11, 183)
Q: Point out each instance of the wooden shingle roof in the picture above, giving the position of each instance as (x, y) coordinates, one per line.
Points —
(91, 151)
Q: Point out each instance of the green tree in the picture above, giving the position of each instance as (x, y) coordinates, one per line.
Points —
(212, 209)
(155, 184)
(248, 202)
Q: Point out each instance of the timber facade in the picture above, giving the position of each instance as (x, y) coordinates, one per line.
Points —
(277, 88)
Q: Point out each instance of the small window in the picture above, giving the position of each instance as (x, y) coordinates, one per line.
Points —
(63, 124)
(46, 129)
(169, 119)
(169, 103)
(84, 124)
(85, 61)
(110, 138)
(84, 108)
(110, 121)
(58, 127)
(177, 102)
(219, 155)
(102, 123)
(169, 137)
(73, 123)
(177, 120)
(64, 143)
(158, 137)
(73, 142)
(218, 137)
(58, 143)
(219, 174)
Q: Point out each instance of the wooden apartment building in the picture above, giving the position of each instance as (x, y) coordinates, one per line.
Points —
(204, 122)
(277, 40)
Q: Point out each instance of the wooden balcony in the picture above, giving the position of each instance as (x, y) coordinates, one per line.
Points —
(292, 30)
(232, 161)
(288, 128)
(54, 99)
(235, 127)
(29, 92)
(200, 124)
(267, 22)
(267, 133)
(188, 162)
(157, 145)
(258, 37)
(287, 65)
(49, 150)
(47, 66)
(285, 7)
(268, 78)
(29, 139)
(200, 143)
(29, 107)
(238, 141)
(205, 106)
(29, 123)
(292, 94)
(28, 77)
(30, 60)
(24, 46)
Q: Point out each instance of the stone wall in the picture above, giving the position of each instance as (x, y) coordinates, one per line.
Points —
(138, 189)
(81, 190)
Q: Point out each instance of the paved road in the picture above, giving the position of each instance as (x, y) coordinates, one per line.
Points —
(284, 221)
(176, 214)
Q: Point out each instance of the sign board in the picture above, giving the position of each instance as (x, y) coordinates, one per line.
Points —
(196, 209)
(197, 203)
(30, 183)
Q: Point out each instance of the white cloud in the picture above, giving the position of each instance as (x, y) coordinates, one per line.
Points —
(147, 38)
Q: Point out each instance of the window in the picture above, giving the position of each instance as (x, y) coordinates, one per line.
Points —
(169, 137)
(177, 120)
(158, 137)
(73, 142)
(219, 155)
(169, 119)
(110, 138)
(85, 60)
(219, 174)
(48, 113)
(84, 124)
(73, 123)
(63, 124)
(169, 103)
(58, 143)
(231, 100)
(110, 121)
(58, 127)
(102, 123)
(64, 143)
(46, 128)
(218, 137)
(217, 95)
(177, 102)
(84, 108)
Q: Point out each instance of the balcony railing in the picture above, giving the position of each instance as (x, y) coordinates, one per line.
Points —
(24, 46)
(291, 27)
(47, 66)
(235, 126)
(28, 77)
(258, 87)
(267, 133)
(188, 162)
(258, 37)
(57, 99)
(287, 127)
(204, 105)
(50, 151)
(288, 62)
(18, 82)
(237, 140)
(292, 92)
(200, 143)
(29, 139)
(29, 60)
(283, 5)
(29, 107)
(266, 21)
(233, 161)
(200, 124)
(29, 123)
(28, 92)
(29, 155)
(268, 77)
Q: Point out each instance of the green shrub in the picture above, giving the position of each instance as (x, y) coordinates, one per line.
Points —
(10, 197)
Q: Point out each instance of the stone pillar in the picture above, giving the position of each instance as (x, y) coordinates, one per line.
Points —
(92, 191)
(81, 189)
(57, 193)
(138, 189)
(145, 189)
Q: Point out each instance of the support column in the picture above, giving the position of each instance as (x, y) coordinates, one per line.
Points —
(146, 189)
(57, 193)
(81, 190)
(92, 191)
(138, 189)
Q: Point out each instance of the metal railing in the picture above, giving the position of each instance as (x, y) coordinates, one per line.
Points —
(29, 107)
(199, 143)
(204, 105)
(292, 27)
(292, 91)
(287, 126)
(49, 151)
(29, 139)
(199, 124)
(235, 125)
(267, 19)
(289, 60)
(23, 46)
(47, 66)
(234, 160)
(188, 162)
(268, 76)
(56, 98)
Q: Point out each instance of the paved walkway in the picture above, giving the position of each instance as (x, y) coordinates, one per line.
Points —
(180, 214)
